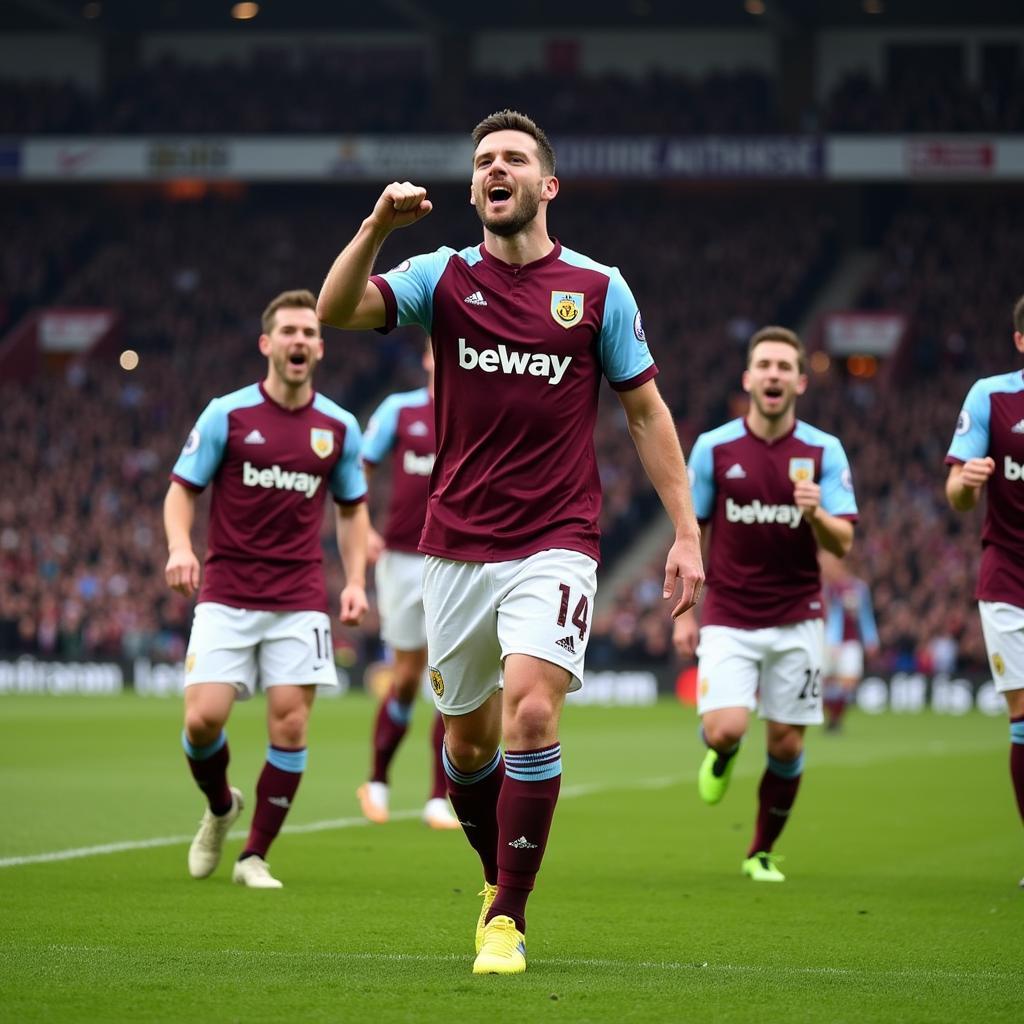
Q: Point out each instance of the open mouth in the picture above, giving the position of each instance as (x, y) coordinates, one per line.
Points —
(773, 393)
(297, 359)
(498, 194)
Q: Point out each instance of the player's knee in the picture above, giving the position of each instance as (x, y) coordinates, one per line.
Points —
(405, 687)
(787, 747)
(289, 729)
(468, 754)
(530, 723)
(723, 735)
(202, 726)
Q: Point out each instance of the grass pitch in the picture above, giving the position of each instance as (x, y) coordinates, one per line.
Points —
(902, 857)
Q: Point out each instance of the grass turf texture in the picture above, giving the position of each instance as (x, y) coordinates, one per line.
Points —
(901, 902)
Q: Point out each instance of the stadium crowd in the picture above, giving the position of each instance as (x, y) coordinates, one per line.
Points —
(81, 545)
(336, 90)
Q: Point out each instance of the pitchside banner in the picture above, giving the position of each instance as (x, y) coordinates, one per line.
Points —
(901, 693)
(447, 158)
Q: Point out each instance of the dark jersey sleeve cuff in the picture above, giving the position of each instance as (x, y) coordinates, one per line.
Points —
(634, 382)
(952, 460)
(390, 304)
(349, 502)
(188, 484)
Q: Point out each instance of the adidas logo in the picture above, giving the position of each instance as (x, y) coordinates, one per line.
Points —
(522, 843)
(735, 472)
(279, 801)
(1017, 428)
(254, 437)
(476, 299)
(567, 643)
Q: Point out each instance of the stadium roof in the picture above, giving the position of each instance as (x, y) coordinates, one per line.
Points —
(103, 16)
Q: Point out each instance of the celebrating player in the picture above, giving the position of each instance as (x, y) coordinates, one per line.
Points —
(522, 330)
(771, 490)
(987, 451)
(850, 629)
(403, 426)
(272, 451)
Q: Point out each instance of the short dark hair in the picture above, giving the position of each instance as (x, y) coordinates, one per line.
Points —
(783, 334)
(298, 298)
(1018, 315)
(513, 121)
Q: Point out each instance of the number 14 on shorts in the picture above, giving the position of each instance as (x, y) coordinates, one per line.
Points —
(579, 615)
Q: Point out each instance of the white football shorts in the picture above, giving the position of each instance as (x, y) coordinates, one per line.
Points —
(478, 613)
(399, 576)
(239, 645)
(845, 660)
(1003, 626)
(781, 665)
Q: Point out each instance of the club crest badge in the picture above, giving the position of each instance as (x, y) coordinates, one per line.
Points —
(436, 682)
(567, 308)
(321, 441)
(998, 664)
(801, 469)
(190, 664)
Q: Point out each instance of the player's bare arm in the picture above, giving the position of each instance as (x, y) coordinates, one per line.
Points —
(832, 533)
(965, 481)
(182, 570)
(352, 526)
(654, 434)
(686, 626)
(374, 541)
(348, 299)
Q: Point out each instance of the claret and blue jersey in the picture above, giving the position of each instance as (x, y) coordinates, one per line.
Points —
(991, 423)
(271, 469)
(519, 353)
(763, 564)
(403, 427)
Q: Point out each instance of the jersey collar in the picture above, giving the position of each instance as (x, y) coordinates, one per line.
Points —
(514, 268)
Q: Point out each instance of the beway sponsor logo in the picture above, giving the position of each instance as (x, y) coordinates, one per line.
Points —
(757, 512)
(417, 465)
(1012, 470)
(491, 360)
(276, 478)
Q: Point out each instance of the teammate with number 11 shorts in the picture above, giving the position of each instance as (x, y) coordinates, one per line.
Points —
(272, 452)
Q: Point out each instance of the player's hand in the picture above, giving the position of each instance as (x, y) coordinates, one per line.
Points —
(807, 498)
(684, 635)
(684, 563)
(974, 473)
(374, 546)
(182, 571)
(400, 205)
(353, 605)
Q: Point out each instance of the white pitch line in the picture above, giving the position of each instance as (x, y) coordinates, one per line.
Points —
(831, 758)
(606, 963)
(568, 793)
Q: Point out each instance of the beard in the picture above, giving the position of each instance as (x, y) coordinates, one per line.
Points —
(779, 413)
(524, 213)
(283, 366)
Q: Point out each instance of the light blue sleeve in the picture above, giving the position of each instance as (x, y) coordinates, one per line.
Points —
(701, 467)
(866, 619)
(970, 440)
(622, 346)
(836, 482)
(348, 482)
(413, 282)
(204, 449)
(380, 434)
(834, 624)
